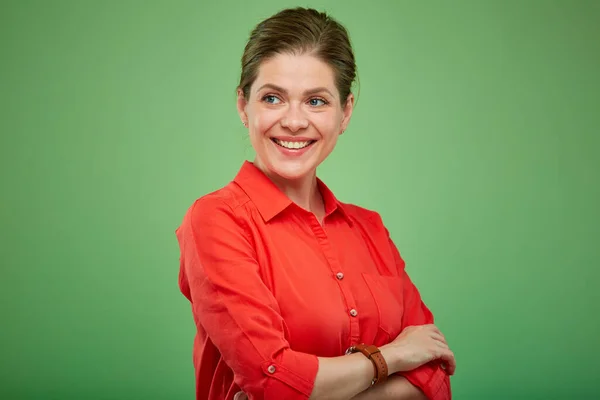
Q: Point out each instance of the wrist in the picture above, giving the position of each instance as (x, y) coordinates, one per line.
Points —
(390, 356)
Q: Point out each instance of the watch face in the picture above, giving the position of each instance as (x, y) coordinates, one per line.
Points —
(350, 350)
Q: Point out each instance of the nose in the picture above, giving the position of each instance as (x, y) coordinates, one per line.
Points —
(294, 118)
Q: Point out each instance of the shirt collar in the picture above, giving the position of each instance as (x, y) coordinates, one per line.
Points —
(271, 201)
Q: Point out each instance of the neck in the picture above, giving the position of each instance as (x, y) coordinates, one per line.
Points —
(303, 191)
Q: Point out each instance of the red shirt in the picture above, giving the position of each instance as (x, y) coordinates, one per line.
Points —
(271, 289)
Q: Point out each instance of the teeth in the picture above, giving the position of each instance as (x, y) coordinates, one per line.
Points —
(292, 145)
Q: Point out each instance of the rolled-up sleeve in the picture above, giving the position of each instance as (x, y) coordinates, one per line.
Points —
(238, 312)
(431, 378)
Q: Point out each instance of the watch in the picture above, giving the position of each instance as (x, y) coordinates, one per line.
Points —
(373, 354)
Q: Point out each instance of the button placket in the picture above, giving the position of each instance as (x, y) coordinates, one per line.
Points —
(322, 238)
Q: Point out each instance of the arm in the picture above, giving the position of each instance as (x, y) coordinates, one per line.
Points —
(220, 276)
(431, 378)
(395, 388)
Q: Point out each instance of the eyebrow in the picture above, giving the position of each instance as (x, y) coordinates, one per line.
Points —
(284, 91)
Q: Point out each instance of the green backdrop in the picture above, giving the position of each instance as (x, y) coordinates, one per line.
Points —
(476, 136)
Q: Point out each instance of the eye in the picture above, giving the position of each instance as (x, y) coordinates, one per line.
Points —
(271, 99)
(316, 102)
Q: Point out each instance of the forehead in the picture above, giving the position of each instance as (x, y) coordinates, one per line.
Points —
(296, 73)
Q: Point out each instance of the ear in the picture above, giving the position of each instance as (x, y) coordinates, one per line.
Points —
(241, 106)
(348, 108)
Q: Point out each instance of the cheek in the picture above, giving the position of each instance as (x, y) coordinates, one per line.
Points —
(327, 124)
(263, 120)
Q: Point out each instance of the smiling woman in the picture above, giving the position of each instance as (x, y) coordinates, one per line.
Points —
(295, 115)
(295, 294)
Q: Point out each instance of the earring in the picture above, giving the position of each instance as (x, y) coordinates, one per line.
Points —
(245, 123)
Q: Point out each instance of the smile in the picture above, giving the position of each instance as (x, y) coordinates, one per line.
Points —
(292, 145)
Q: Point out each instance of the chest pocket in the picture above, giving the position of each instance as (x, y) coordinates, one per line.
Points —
(387, 294)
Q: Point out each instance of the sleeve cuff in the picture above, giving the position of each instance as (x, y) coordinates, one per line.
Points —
(292, 376)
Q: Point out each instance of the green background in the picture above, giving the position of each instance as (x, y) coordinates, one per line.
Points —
(476, 136)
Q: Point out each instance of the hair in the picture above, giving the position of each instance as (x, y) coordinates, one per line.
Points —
(299, 31)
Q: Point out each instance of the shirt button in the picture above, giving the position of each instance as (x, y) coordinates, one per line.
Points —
(271, 369)
(339, 275)
(353, 312)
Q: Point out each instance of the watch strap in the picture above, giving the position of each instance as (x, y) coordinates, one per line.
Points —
(374, 354)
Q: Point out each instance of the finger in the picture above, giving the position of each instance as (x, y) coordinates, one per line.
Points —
(441, 346)
(240, 396)
(437, 331)
(439, 337)
(450, 361)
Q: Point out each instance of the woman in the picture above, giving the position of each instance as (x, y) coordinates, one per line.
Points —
(284, 279)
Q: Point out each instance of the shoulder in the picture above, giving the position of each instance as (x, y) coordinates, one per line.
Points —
(219, 207)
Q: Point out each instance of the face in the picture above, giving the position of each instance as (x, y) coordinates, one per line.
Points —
(294, 115)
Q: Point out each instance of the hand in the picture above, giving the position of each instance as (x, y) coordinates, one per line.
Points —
(240, 396)
(418, 345)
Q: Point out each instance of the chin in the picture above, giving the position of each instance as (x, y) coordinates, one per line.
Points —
(291, 171)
